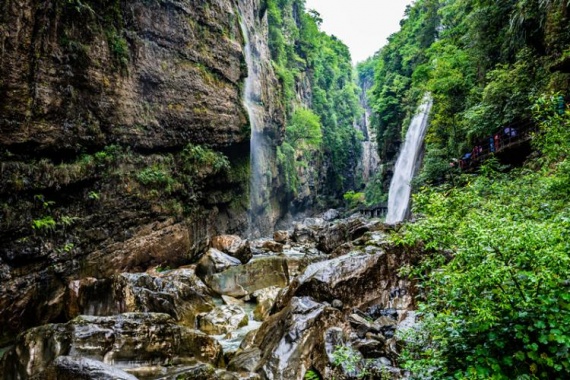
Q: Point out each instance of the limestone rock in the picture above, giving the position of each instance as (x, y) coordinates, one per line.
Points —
(179, 293)
(223, 319)
(245, 360)
(234, 246)
(265, 299)
(331, 215)
(239, 281)
(355, 280)
(293, 339)
(343, 231)
(272, 246)
(215, 261)
(125, 340)
(77, 368)
(281, 236)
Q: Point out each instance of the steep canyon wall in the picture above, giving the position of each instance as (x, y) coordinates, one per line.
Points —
(124, 142)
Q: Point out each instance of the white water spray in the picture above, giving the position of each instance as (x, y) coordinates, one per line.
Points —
(407, 163)
(260, 181)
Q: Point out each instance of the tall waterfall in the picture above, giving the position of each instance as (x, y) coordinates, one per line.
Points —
(260, 181)
(407, 163)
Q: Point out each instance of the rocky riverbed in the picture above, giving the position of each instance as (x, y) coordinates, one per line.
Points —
(324, 297)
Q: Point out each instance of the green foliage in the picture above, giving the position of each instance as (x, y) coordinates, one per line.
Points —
(199, 159)
(302, 55)
(500, 308)
(45, 224)
(94, 196)
(353, 199)
(304, 129)
(312, 375)
(157, 177)
(484, 64)
(351, 361)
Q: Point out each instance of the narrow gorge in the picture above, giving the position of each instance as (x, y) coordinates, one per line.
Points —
(196, 189)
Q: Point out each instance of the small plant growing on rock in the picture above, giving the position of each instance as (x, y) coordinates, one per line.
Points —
(312, 375)
(350, 361)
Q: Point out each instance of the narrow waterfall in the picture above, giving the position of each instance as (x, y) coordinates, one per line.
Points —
(407, 163)
(260, 181)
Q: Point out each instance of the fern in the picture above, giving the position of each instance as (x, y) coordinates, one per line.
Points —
(312, 375)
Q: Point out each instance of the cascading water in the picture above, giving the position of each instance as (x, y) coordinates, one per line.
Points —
(407, 163)
(260, 181)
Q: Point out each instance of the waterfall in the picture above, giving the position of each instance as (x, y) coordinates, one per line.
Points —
(407, 163)
(260, 149)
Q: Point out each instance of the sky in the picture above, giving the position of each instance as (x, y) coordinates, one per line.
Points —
(363, 25)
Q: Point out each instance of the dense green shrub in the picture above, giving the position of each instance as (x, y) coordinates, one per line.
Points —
(497, 291)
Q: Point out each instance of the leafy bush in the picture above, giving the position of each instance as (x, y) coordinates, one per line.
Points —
(354, 199)
(500, 309)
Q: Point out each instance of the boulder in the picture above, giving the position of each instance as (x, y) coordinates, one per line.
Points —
(179, 293)
(293, 340)
(77, 368)
(272, 246)
(215, 261)
(126, 340)
(245, 360)
(302, 234)
(223, 319)
(343, 231)
(354, 279)
(234, 246)
(239, 281)
(331, 215)
(265, 299)
(281, 236)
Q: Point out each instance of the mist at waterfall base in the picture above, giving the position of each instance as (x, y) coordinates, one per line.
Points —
(407, 164)
(259, 181)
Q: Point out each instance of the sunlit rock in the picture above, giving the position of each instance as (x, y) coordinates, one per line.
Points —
(293, 340)
(355, 280)
(239, 281)
(76, 368)
(223, 319)
(281, 236)
(265, 298)
(127, 341)
(234, 246)
(215, 261)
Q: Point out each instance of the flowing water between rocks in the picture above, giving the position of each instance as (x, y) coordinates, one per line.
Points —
(261, 309)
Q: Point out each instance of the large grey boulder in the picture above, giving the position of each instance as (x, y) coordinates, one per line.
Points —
(223, 319)
(355, 280)
(77, 368)
(234, 246)
(215, 261)
(178, 292)
(126, 340)
(239, 281)
(293, 340)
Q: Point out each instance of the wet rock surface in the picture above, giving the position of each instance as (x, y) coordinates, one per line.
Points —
(275, 317)
(126, 341)
(239, 281)
(234, 246)
(96, 99)
(79, 368)
(223, 319)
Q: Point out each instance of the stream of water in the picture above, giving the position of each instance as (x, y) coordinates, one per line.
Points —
(407, 164)
(260, 181)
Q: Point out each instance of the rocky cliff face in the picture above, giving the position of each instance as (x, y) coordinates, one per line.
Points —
(123, 141)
